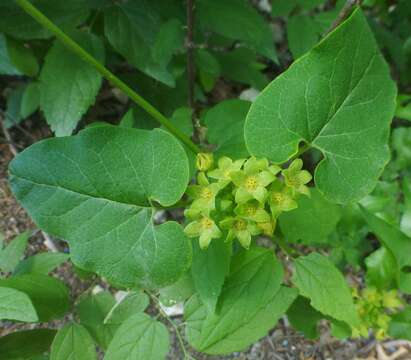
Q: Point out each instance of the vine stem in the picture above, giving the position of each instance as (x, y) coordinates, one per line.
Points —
(77, 49)
(177, 331)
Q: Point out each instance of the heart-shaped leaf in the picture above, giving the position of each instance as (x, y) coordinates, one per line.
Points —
(95, 189)
(339, 98)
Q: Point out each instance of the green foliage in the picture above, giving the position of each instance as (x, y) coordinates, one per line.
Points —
(36, 342)
(110, 191)
(11, 255)
(345, 117)
(50, 297)
(16, 305)
(99, 205)
(317, 279)
(139, 336)
(68, 89)
(73, 342)
(253, 290)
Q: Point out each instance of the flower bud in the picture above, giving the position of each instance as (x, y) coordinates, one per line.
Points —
(204, 161)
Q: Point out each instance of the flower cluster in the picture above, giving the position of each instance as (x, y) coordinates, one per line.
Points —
(241, 198)
(374, 308)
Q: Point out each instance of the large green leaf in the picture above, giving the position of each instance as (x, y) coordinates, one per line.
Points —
(237, 20)
(94, 190)
(11, 255)
(139, 337)
(16, 305)
(68, 85)
(26, 344)
(6, 66)
(132, 29)
(319, 280)
(381, 268)
(339, 98)
(73, 342)
(49, 296)
(209, 269)
(398, 244)
(312, 222)
(225, 127)
(250, 304)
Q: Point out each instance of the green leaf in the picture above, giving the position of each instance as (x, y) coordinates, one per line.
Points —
(398, 244)
(282, 7)
(225, 127)
(319, 280)
(237, 20)
(302, 34)
(6, 66)
(312, 222)
(400, 325)
(92, 310)
(43, 263)
(11, 255)
(22, 57)
(177, 292)
(304, 317)
(100, 196)
(139, 337)
(339, 98)
(49, 296)
(73, 342)
(242, 65)
(16, 305)
(169, 40)
(26, 344)
(250, 304)
(381, 269)
(68, 85)
(132, 29)
(13, 108)
(209, 269)
(403, 110)
(30, 101)
(208, 68)
(65, 14)
(134, 302)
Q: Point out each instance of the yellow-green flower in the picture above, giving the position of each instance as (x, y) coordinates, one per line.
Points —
(226, 166)
(254, 211)
(204, 161)
(205, 229)
(204, 197)
(296, 178)
(241, 229)
(267, 228)
(252, 181)
(391, 300)
(281, 198)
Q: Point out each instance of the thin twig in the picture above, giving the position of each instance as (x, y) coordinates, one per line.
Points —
(177, 331)
(191, 74)
(7, 135)
(344, 14)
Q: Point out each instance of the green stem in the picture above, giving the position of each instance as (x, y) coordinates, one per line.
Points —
(162, 313)
(77, 49)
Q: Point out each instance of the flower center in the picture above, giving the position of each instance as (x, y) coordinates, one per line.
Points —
(250, 210)
(294, 182)
(251, 183)
(206, 194)
(206, 223)
(240, 225)
(277, 197)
